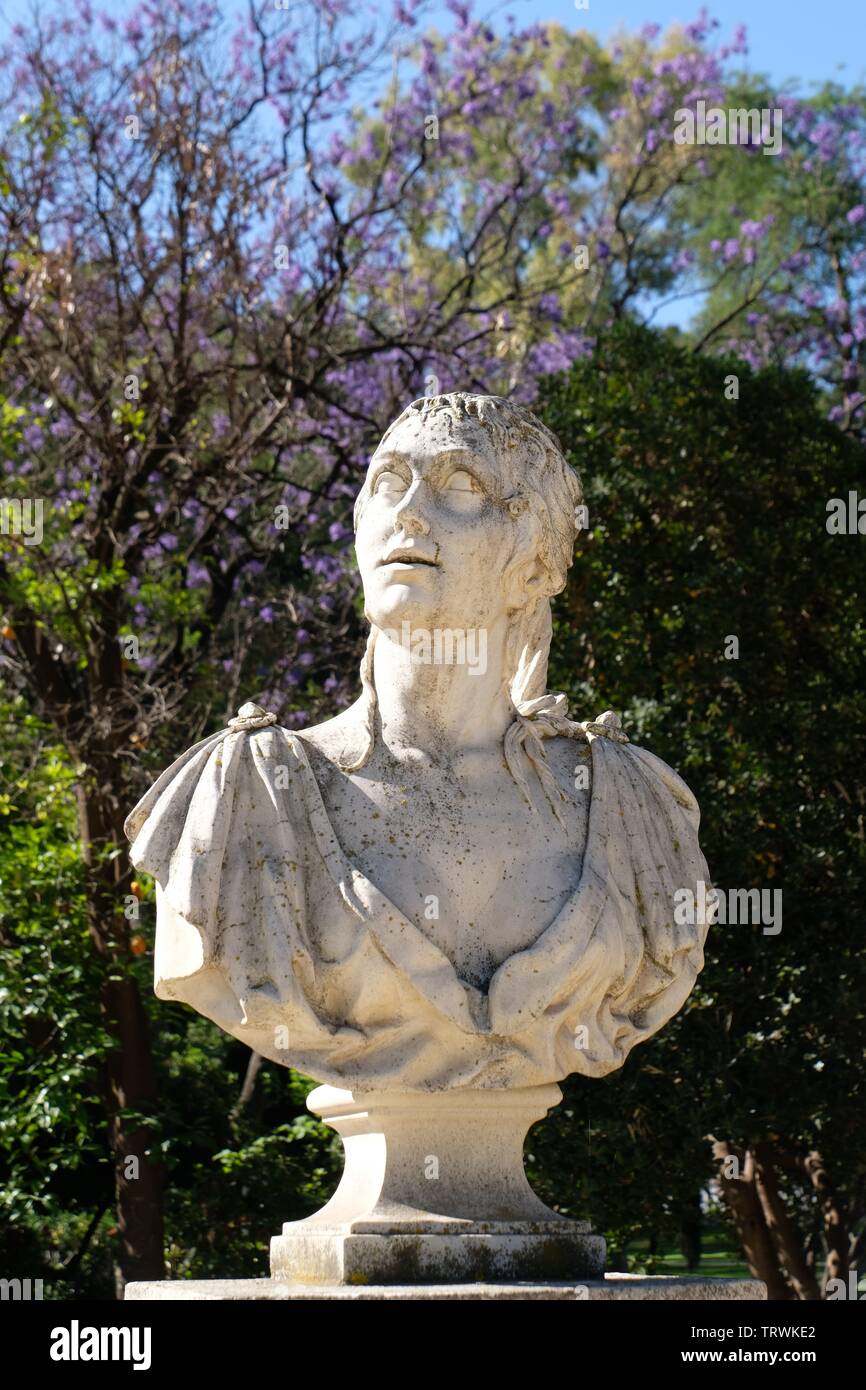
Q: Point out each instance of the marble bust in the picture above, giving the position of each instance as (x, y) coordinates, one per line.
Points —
(450, 884)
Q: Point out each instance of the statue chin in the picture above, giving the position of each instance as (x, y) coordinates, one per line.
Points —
(399, 604)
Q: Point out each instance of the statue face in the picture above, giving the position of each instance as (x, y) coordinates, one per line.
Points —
(436, 534)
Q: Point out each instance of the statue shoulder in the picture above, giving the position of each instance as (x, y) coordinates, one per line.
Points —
(248, 762)
(612, 746)
(608, 725)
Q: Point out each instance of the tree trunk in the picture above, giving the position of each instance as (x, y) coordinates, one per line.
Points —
(129, 1078)
(248, 1088)
(835, 1230)
(787, 1240)
(131, 1085)
(691, 1222)
(742, 1198)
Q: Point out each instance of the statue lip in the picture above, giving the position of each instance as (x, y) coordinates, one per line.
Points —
(408, 555)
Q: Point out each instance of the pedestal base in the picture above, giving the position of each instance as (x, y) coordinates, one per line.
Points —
(627, 1287)
(434, 1192)
(434, 1204)
(391, 1255)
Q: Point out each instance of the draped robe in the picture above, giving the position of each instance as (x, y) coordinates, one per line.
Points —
(265, 926)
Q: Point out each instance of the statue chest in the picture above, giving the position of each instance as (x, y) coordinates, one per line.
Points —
(465, 859)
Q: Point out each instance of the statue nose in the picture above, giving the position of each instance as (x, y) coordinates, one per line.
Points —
(413, 523)
(409, 515)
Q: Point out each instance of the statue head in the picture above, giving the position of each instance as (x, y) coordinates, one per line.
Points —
(467, 516)
(475, 494)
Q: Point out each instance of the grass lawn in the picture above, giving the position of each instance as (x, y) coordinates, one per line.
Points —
(719, 1257)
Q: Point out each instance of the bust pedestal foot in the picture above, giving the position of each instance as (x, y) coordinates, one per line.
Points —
(434, 1191)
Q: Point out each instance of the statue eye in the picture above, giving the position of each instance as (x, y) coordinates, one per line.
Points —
(462, 482)
(389, 483)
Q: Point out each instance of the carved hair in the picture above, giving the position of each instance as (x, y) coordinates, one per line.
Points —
(544, 512)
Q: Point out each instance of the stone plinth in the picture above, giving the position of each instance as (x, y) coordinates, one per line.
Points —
(434, 1192)
(434, 1204)
(627, 1287)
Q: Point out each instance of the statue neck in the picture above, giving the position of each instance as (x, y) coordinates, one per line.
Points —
(443, 691)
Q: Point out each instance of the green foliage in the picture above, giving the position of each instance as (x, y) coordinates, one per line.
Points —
(233, 1175)
(53, 1158)
(707, 519)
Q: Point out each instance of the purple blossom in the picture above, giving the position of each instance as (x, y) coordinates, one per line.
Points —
(549, 305)
(682, 260)
(197, 575)
(752, 230)
(328, 567)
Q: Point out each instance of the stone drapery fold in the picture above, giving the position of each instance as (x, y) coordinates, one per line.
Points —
(265, 926)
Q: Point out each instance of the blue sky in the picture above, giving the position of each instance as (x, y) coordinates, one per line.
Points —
(801, 39)
(787, 38)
